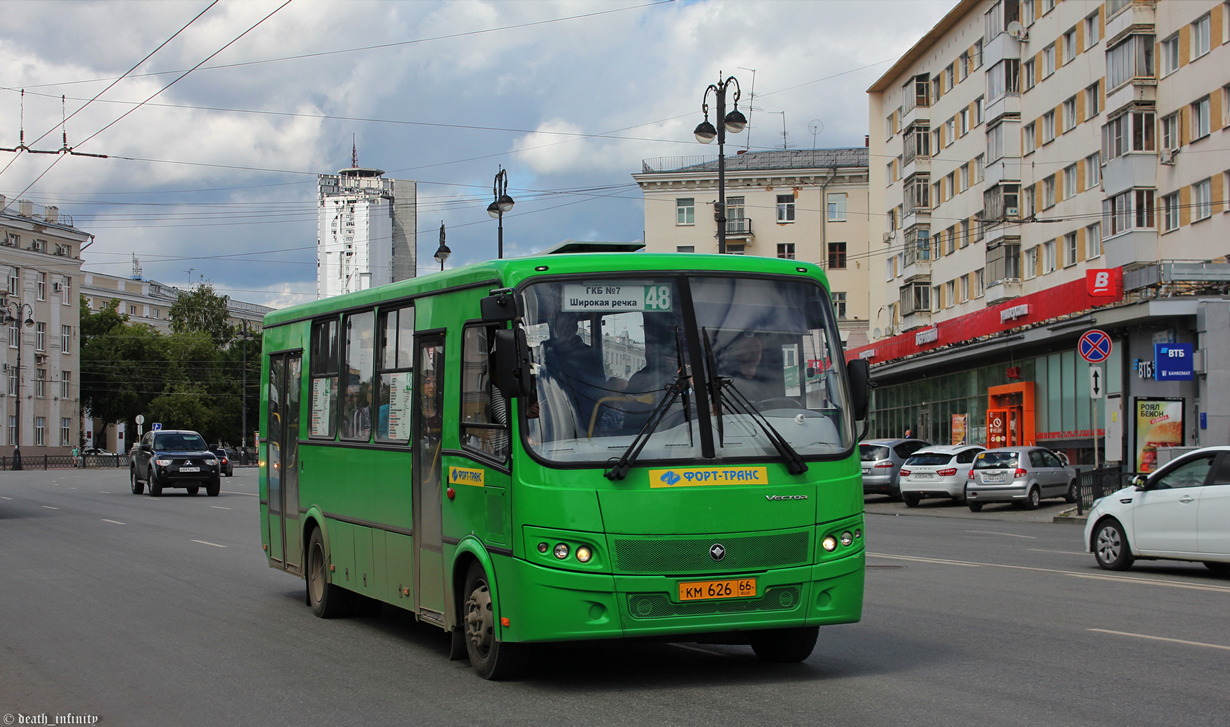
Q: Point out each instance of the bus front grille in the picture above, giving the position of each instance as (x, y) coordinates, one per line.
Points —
(693, 555)
(659, 605)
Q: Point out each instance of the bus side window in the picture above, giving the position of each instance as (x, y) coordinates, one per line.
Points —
(324, 372)
(395, 339)
(484, 411)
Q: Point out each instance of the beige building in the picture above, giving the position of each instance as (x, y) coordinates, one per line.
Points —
(1022, 151)
(40, 253)
(808, 204)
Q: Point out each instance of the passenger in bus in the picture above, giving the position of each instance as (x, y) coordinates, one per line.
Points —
(740, 362)
(576, 368)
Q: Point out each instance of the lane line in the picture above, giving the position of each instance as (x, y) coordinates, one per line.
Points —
(1006, 535)
(1160, 638)
(219, 507)
(115, 522)
(1082, 554)
(206, 542)
(49, 507)
(1147, 582)
(2, 497)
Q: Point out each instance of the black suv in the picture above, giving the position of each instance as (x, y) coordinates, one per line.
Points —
(174, 458)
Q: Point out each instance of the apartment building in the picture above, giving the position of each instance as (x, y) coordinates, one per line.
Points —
(40, 256)
(1041, 170)
(804, 204)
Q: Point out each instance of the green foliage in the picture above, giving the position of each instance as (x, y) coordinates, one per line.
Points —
(202, 311)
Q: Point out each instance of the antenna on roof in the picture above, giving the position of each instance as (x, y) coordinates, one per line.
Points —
(751, 99)
(354, 152)
(136, 267)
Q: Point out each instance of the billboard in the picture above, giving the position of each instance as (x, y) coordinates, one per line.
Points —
(1158, 423)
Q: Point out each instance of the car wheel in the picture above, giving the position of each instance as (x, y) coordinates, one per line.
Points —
(326, 599)
(1110, 546)
(911, 500)
(1073, 492)
(137, 485)
(230, 473)
(194, 489)
(974, 506)
(155, 487)
(785, 646)
(214, 487)
(490, 657)
(1218, 569)
(1033, 498)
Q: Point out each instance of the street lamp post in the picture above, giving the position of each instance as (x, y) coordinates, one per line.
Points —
(734, 122)
(13, 314)
(243, 431)
(442, 252)
(500, 204)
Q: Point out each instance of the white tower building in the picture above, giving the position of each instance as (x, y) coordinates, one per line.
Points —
(365, 231)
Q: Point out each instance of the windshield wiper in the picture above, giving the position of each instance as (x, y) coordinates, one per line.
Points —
(794, 461)
(715, 386)
(674, 390)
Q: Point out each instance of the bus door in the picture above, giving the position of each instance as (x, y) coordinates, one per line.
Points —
(282, 461)
(427, 485)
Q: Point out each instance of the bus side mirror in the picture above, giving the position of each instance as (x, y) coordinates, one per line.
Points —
(859, 373)
(510, 366)
(498, 307)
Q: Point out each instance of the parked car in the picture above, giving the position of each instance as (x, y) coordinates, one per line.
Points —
(1180, 512)
(96, 451)
(226, 464)
(881, 460)
(173, 458)
(937, 471)
(1020, 475)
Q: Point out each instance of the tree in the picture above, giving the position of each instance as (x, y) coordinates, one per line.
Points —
(122, 364)
(201, 310)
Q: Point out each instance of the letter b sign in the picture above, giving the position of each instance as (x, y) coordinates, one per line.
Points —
(1104, 282)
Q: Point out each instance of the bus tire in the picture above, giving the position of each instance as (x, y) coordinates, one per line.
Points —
(137, 485)
(785, 646)
(490, 657)
(155, 487)
(326, 599)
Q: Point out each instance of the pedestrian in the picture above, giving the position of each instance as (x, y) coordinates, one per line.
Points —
(909, 433)
(76, 457)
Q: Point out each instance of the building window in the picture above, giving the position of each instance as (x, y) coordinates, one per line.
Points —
(980, 167)
(1031, 263)
(13, 382)
(1069, 46)
(1093, 170)
(40, 431)
(1048, 257)
(785, 208)
(1128, 132)
(1093, 31)
(1048, 127)
(995, 142)
(66, 379)
(685, 248)
(1048, 192)
(1170, 212)
(66, 426)
(12, 429)
(917, 193)
(685, 211)
(1069, 249)
(66, 339)
(736, 248)
(979, 109)
(1029, 138)
(1029, 205)
(1170, 131)
(1201, 36)
(1004, 261)
(1128, 210)
(66, 291)
(1093, 240)
(837, 207)
(1048, 60)
(1069, 181)
(785, 250)
(1131, 59)
(1202, 200)
(14, 280)
(837, 256)
(41, 285)
(1027, 75)
(40, 383)
(980, 283)
(915, 298)
(40, 336)
(1168, 50)
(917, 244)
(950, 132)
(950, 293)
(917, 142)
(1200, 118)
(1093, 101)
(1003, 79)
(839, 305)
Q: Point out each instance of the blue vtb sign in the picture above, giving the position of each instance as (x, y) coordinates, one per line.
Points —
(1173, 362)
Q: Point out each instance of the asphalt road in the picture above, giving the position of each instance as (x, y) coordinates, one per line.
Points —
(144, 611)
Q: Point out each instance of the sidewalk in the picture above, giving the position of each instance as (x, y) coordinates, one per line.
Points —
(1048, 511)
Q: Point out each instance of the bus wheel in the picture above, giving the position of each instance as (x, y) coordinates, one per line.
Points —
(785, 646)
(326, 599)
(490, 657)
(137, 485)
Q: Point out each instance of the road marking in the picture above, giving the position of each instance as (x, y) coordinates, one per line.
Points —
(205, 542)
(49, 507)
(1152, 582)
(114, 522)
(1082, 554)
(915, 559)
(1006, 535)
(219, 507)
(1161, 638)
(2, 497)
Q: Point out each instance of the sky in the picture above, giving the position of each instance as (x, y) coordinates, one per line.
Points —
(217, 117)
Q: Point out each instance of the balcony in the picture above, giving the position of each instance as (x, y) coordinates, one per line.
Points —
(1132, 16)
(1131, 249)
(999, 291)
(740, 228)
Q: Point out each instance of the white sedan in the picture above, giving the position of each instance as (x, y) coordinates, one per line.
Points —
(1180, 512)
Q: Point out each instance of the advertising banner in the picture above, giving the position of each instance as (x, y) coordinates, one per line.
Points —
(1159, 423)
(959, 422)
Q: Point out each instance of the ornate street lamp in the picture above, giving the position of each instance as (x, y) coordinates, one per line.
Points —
(12, 314)
(734, 122)
(500, 204)
(442, 252)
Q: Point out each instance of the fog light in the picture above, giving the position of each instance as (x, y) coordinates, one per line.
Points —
(584, 554)
(858, 534)
(543, 547)
(829, 543)
(561, 551)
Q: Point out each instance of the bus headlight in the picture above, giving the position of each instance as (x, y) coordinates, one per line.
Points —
(829, 543)
(847, 538)
(561, 550)
(584, 554)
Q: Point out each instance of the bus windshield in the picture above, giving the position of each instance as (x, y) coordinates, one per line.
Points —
(658, 357)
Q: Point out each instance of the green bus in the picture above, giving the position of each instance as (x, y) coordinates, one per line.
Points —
(569, 447)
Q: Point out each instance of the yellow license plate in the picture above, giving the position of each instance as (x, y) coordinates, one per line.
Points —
(708, 590)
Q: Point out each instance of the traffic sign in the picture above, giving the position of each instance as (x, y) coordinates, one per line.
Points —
(155, 427)
(1094, 346)
(1097, 382)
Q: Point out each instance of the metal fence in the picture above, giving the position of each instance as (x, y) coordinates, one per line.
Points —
(1100, 483)
(66, 461)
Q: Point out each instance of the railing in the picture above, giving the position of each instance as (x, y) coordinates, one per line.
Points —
(66, 461)
(741, 226)
(1100, 483)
